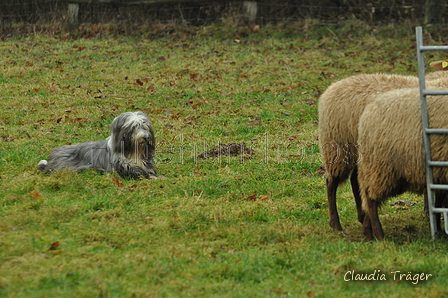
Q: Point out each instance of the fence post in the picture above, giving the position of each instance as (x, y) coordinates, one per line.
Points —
(72, 14)
(250, 9)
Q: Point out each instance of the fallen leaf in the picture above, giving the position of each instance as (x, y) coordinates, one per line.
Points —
(54, 245)
(252, 198)
(310, 102)
(117, 182)
(264, 197)
(293, 137)
(255, 28)
(35, 195)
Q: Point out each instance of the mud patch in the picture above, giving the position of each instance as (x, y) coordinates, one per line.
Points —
(232, 149)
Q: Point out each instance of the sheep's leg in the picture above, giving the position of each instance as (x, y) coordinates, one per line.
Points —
(377, 229)
(367, 228)
(332, 186)
(441, 199)
(425, 200)
(356, 194)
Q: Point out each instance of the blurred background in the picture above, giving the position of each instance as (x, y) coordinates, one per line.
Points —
(125, 15)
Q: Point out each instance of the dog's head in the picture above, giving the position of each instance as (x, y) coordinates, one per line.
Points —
(132, 133)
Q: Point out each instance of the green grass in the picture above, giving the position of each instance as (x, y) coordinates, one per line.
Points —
(196, 230)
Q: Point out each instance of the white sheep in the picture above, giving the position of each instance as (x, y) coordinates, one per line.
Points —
(391, 146)
(436, 75)
(340, 108)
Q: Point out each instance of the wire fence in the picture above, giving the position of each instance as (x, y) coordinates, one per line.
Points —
(140, 12)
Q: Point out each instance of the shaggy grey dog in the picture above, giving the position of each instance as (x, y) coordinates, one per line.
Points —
(129, 150)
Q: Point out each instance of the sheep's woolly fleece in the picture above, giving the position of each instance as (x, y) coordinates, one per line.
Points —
(391, 150)
(341, 106)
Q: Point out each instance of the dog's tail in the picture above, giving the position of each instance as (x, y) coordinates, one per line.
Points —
(42, 166)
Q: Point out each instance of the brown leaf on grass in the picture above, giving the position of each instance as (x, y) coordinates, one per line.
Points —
(194, 104)
(403, 204)
(54, 245)
(64, 37)
(259, 198)
(137, 81)
(232, 149)
(35, 195)
(293, 137)
(255, 28)
(264, 197)
(252, 198)
(310, 102)
(117, 182)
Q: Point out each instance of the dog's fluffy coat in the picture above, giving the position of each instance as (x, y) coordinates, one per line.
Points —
(129, 150)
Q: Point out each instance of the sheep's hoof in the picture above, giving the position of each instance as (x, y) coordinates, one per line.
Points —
(367, 228)
(336, 226)
(379, 235)
(368, 233)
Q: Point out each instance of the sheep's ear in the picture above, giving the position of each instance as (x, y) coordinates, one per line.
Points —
(440, 65)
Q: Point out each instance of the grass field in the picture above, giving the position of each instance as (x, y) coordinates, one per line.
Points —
(244, 226)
